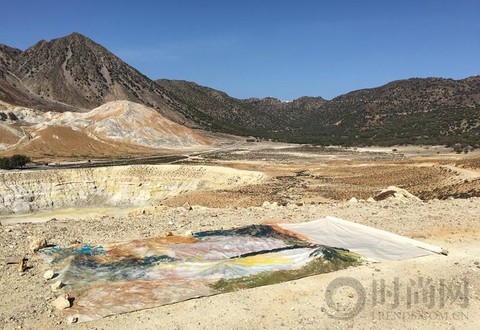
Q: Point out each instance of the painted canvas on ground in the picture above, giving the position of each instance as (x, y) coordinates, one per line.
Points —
(121, 277)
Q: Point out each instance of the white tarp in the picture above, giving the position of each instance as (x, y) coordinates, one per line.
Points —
(372, 243)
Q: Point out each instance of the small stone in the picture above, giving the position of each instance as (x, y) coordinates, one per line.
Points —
(213, 214)
(167, 233)
(266, 204)
(350, 295)
(48, 274)
(72, 319)
(62, 302)
(187, 206)
(370, 199)
(37, 242)
(57, 286)
(353, 200)
(188, 233)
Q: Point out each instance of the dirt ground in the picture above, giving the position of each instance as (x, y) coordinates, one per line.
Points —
(303, 183)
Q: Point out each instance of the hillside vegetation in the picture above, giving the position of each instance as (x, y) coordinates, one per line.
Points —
(76, 74)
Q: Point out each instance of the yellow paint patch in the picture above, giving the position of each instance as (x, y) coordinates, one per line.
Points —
(261, 260)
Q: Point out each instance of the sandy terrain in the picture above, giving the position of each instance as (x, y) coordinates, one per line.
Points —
(302, 183)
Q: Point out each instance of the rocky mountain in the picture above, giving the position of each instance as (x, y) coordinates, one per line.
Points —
(12, 89)
(428, 110)
(74, 73)
(217, 110)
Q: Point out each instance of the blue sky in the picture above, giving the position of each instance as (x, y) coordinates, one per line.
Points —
(284, 49)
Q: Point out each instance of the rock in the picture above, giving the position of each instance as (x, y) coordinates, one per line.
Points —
(393, 192)
(62, 302)
(353, 200)
(57, 286)
(188, 233)
(48, 274)
(266, 204)
(167, 233)
(370, 199)
(213, 214)
(187, 206)
(37, 242)
(72, 319)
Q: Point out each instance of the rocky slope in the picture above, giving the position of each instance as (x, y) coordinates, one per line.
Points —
(81, 73)
(412, 111)
(117, 128)
(30, 191)
(217, 110)
(12, 89)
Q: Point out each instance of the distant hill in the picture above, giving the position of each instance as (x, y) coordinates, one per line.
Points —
(412, 111)
(73, 73)
(115, 129)
(216, 109)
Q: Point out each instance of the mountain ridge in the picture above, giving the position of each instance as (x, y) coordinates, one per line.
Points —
(75, 72)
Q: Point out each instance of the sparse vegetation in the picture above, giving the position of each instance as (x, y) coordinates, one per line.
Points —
(412, 111)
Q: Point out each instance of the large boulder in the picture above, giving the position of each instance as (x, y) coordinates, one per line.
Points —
(393, 192)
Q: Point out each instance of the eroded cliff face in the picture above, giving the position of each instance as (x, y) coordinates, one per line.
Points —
(137, 185)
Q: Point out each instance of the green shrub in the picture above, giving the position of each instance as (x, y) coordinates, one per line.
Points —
(16, 161)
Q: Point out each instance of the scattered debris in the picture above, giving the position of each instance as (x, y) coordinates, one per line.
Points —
(14, 260)
(22, 266)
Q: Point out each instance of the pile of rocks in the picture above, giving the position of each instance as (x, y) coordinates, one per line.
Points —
(390, 193)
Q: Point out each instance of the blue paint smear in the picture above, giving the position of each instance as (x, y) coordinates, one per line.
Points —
(88, 250)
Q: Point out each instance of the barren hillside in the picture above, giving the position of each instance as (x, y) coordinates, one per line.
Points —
(118, 128)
